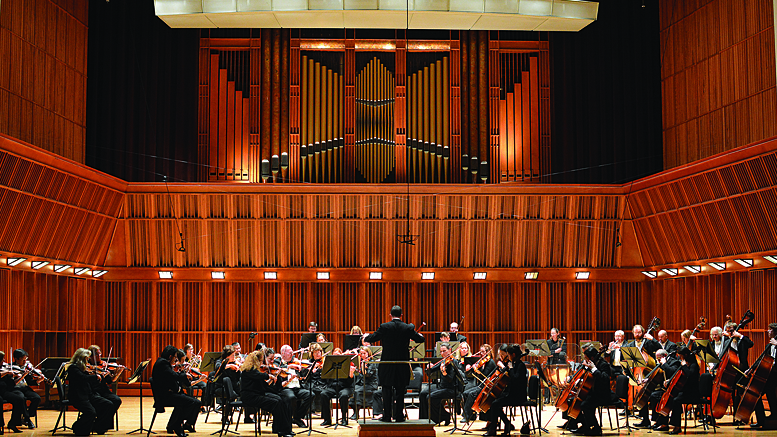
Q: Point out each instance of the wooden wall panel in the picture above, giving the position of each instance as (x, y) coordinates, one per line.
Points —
(718, 77)
(43, 47)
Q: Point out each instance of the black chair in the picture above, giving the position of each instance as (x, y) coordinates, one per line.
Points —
(618, 402)
(64, 403)
(232, 403)
(704, 404)
(413, 389)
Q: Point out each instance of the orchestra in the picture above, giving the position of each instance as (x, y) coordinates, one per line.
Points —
(663, 383)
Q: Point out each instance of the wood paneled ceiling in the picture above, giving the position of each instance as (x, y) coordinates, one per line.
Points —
(58, 210)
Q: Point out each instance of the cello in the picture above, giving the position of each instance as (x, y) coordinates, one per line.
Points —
(759, 373)
(724, 384)
(493, 387)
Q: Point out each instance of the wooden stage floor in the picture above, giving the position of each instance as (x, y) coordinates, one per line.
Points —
(129, 419)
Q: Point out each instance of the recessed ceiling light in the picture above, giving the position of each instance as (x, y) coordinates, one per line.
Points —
(15, 261)
(218, 275)
(582, 275)
(322, 275)
(744, 262)
(376, 276)
(98, 273)
(531, 275)
(427, 275)
(479, 275)
(59, 268)
(771, 258)
(165, 275)
(80, 270)
(671, 271)
(650, 274)
(693, 269)
(270, 275)
(38, 264)
(718, 265)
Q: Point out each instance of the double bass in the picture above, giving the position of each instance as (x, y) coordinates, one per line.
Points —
(724, 384)
(759, 373)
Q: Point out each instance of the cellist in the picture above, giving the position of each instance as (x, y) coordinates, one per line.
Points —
(509, 360)
(690, 390)
(770, 388)
(600, 394)
(669, 365)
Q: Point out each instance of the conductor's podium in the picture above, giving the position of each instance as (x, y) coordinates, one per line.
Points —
(408, 428)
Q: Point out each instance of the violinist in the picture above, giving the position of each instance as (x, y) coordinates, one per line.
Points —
(226, 366)
(600, 394)
(770, 387)
(690, 390)
(365, 386)
(297, 398)
(20, 358)
(508, 360)
(446, 388)
(558, 348)
(480, 371)
(255, 392)
(342, 390)
(356, 330)
(9, 394)
(463, 351)
(102, 386)
(166, 386)
(668, 364)
(741, 344)
(96, 411)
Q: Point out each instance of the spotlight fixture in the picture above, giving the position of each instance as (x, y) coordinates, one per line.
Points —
(479, 275)
(98, 273)
(693, 269)
(59, 268)
(16, 261)
(80, 270)
(376, 276)
(270, 275)
(744, 262)
(218, 275)
(531, 275)
(771, 258)
(427, 275)
(37, 265)
(322, 275)
(165, 275)
(582, 275)
(671, 271)
(650, 274)
(718, 265)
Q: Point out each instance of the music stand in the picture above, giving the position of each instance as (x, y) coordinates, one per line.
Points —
(417, 350)
(337, 367)
(706, 352)
(452, 345)
(209, 360)
(326, 346)
(137, 376)
(352, 342)
(594, 344)
(538, 348)
(376, 351)
(306, 339)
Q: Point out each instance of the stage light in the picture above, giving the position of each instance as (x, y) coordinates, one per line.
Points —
(36, 265)
(650, 274)
(582, 275)
(376, 276)
(59, 268)
(479, 275)
(270, 275)
(165, 275)
(718, 265)
(98, 273)
(80, 270)
(693, 269)
(671, 272)
(772, 258)
(16, 261)
(427, 275)
(322, 275)
(531, 275)
(744, 262)
(218, 275)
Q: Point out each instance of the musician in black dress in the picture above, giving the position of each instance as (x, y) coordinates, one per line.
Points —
(341, 389)
(558, 348)
(96, 411)
(166, 384)
(476, 378)
(395, 338)
(690, 390)
(102, 387)
(9, 394)
(256, 392)
(365, 386)
(20, 359)
(514, 393)
(600, 393)
(770, 388)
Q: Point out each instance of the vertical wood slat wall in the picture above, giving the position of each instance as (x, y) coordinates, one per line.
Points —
(719, 89)
(137, 319)
(43, 81)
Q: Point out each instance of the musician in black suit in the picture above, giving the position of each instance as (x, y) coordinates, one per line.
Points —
(667, 364)
(643, 342)
(514, 393)
(446, 387)
(395, 338)
(166, 386)
(741, 344)
(600, 393)
(9, 394)
(20, 359)
(690, 390)
(96, 412)
(558, 348)
(770, 388)
(454, 333)
(666, 344)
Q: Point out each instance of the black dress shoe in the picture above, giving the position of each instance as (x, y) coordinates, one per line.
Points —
(563, 425)
(344, 421)
(300, 423)
(29, 424)
(326, 423)
(14, 429)
(662, 428)
(756, 425)
(643, 424)
(189, 427)
(385, 419)
(354, 416)
(400, 420)
(490, 432)
(676, 430)
(595, 431)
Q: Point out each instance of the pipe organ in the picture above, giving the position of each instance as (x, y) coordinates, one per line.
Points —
(280, 108)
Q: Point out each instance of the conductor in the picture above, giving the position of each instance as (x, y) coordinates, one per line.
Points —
(395, 338)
